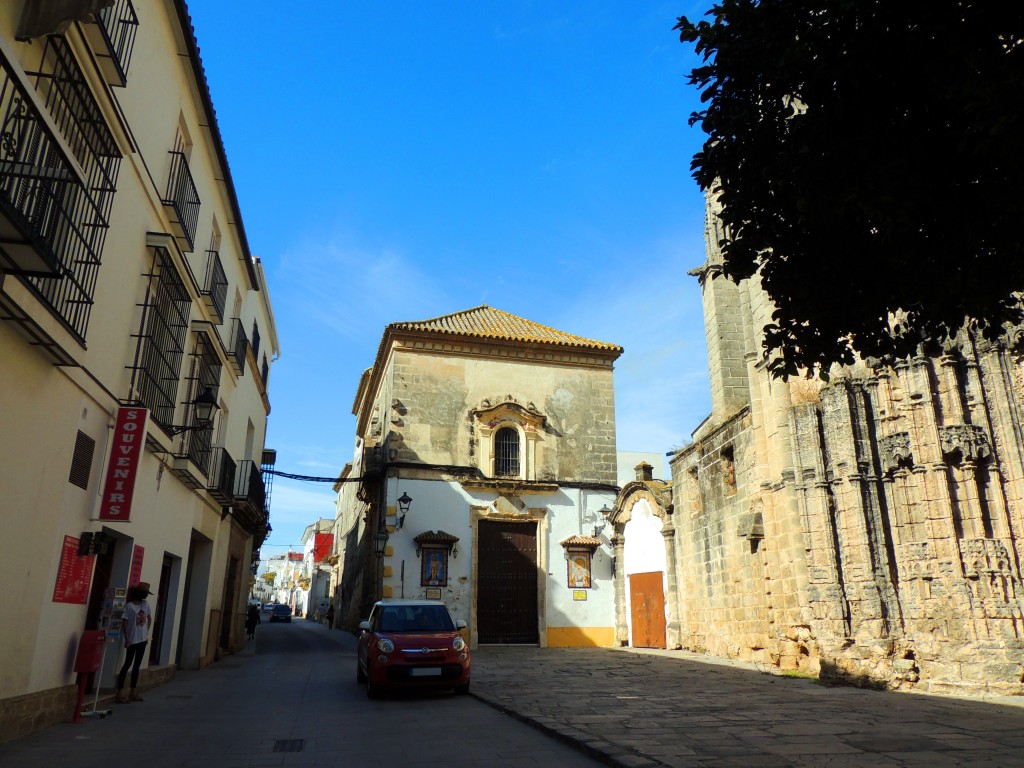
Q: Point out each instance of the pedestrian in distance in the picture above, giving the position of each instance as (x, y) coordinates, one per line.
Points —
(252, 618)
(330, 615)
(135, 624)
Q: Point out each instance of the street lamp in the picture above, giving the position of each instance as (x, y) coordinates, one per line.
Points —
(203, 408)
(380, 543)
(404, 501)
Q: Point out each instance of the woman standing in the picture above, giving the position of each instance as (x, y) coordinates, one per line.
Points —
(135, 626)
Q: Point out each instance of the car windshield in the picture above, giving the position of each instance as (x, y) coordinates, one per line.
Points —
(415, 618)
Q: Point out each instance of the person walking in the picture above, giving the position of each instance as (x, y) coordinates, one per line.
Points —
(252, 618)
(135, 624)
(330, 615)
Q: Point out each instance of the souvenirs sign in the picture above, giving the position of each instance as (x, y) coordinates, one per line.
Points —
(125, 454)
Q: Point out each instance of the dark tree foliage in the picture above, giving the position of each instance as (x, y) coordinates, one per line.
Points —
(869, 156)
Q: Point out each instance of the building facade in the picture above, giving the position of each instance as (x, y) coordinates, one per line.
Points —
(870, 529)
(485, 457)
(130, 305)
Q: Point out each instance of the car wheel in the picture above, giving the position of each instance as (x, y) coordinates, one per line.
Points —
(360, 676)
(372, 691)
(461, 690)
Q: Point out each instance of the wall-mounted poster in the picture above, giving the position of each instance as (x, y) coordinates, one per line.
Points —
(578, 563)
(434, 567)
(73, 574)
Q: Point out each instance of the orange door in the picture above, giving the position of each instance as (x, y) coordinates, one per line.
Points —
(647, 601)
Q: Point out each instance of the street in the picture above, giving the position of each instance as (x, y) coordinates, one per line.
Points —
(290, 699)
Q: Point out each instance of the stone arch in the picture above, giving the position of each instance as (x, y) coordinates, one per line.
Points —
(657, 497)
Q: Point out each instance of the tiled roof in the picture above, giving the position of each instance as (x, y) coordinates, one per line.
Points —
(489, 323)
(581, 541)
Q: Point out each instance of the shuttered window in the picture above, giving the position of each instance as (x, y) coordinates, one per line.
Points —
(81, 461)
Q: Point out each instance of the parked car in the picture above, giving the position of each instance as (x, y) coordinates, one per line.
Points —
(281, 612)
(412, 643)
(268, 607)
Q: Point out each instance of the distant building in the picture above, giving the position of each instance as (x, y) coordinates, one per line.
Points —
(485, 456)
(129, 302)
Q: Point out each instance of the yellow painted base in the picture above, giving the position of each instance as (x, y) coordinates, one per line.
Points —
(386, 591)
(581, 637)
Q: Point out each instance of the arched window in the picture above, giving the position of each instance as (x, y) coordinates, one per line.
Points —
(506, 452)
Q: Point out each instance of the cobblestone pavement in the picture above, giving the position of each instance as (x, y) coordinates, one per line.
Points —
(629, 707)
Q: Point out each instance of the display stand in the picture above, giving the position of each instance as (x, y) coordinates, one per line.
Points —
(91, 650)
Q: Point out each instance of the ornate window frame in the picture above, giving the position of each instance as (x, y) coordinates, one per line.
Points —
(490, 417)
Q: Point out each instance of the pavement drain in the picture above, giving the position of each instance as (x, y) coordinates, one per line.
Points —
(289, 745)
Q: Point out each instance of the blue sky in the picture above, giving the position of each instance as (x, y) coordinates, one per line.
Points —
(404, 160)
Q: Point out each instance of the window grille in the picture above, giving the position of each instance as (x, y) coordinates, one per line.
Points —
(81, 461)
(204, 374)
(255, 340)
(67, 219)
(161, 339)
(506, 452)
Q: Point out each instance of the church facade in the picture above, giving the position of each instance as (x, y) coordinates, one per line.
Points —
(869, 529)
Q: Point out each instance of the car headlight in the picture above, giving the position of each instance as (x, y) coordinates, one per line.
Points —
(385, 646)
(459, 644)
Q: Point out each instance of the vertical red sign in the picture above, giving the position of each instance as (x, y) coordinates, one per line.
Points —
(125, 454)
(135, 574)
(73, 574)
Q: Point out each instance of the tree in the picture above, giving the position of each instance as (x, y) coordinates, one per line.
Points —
(868, 156)
(270, 577)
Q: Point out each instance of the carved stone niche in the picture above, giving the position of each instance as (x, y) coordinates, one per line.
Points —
(964, 442)
(895, 452)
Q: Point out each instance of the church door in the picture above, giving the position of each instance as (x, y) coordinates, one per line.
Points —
(507, 583)
(647, 609)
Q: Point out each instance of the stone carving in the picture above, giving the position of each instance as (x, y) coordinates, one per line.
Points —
(967, 441)
(894, 451)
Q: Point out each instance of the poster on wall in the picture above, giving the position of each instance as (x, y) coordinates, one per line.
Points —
(135, 574)
(73, 574)
(125, 454)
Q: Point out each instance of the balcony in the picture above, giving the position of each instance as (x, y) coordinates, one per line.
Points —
(238, 347)
(215, 289)
(182, 201)
(249, 506)
(112, 39)
(39, 186)
(221, 484)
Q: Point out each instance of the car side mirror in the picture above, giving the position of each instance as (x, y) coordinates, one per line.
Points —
(460, 623)
(364, 625)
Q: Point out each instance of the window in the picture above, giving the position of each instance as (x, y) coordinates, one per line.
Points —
(161, 340)
(81, 461)
(506, 452)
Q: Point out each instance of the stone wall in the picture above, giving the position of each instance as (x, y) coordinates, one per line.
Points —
(871, 528)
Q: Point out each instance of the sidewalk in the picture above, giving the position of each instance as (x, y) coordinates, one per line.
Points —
(635, 708)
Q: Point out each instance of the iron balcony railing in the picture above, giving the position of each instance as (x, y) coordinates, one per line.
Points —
(215, 288)
(238, 346)
(182, 200)
(249, 488)
(117, 25)
(221, 477)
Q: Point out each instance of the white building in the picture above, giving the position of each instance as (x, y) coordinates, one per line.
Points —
(127, 289)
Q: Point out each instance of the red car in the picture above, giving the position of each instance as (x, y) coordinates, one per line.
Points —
(412, 643)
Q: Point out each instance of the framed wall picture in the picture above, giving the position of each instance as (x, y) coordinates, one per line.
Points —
(434, 567)
(578, 564)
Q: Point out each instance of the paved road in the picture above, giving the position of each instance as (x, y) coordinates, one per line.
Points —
(636, 708)
(293, 689)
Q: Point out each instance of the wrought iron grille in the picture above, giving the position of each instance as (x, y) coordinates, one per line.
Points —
(221, 477)
(265, 372)
(160, 345)
(64, 221)
(506, 452)
(119, 23)
(181, 194)
(249, 484)
(238, 345)
(197, 444)
(215, 288)
(255, 340)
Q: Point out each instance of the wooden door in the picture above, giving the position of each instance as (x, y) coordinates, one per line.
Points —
(647, 609)
(507, 582)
